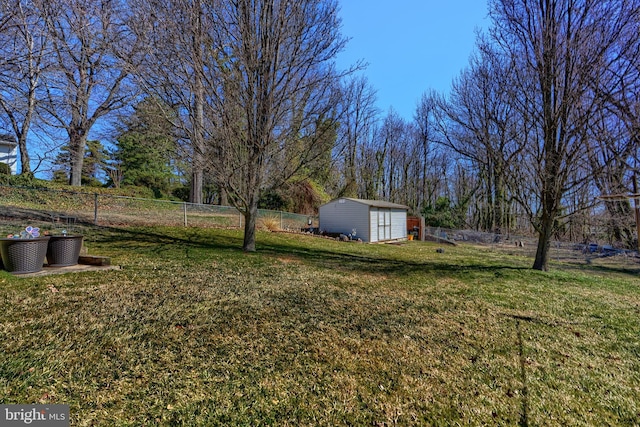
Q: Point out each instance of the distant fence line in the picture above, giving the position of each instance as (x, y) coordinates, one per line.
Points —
(73, 210)
(483, 237)
(527, 245)
(111, 210)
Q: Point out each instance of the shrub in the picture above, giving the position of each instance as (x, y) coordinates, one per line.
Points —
(22, 180)
(302, 196)
(181, 193)
(5, 169)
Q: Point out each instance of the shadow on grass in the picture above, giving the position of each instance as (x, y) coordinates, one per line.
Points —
(374, 264)
(571, 266)
(154, 240)
(524, 414)
(349, 261)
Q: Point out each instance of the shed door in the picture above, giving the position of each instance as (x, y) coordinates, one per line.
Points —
(384, 224)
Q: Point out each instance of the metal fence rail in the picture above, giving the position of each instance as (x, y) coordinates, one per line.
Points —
(71, 208)
(527, 245)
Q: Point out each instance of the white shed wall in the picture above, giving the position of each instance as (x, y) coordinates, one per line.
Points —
(398, 224)
(372, 223)
(343, 216)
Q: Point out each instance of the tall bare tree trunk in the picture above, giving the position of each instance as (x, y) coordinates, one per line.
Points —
(251, 208)
(87, 45)
(77, 143)
(25, 160)
(545, 231)
(197, 163)
(24, 44)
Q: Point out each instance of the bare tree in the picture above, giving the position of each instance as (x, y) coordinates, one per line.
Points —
(89, 81)
(180, 68)
(615, 136)
(563, 45)
(430, 157)
(277, 81)
(367, 169)
(391, 142)
(358, 118)
(612, 153)
(23, 45)
(481, 123)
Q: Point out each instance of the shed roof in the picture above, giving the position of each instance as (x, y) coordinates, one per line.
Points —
(376, 203)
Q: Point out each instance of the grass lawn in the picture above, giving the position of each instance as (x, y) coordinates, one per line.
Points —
(308, 331)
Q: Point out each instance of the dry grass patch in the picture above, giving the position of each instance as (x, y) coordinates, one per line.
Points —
(270, 223)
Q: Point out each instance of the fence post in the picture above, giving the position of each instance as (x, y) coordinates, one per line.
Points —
(95, 208)
(184, 210)
(281, 223)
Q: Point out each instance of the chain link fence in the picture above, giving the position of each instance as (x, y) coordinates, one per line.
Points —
(69, 209)
(527, 246)
(62, 209)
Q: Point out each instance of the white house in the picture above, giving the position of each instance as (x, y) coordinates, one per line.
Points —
(9, 152)
(372, 220)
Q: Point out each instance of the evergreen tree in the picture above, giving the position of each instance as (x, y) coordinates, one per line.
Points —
(95, 157)
(443, 214)
(145, 152)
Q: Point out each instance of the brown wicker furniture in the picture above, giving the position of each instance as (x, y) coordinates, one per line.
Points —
(21, 256)
(63, 250)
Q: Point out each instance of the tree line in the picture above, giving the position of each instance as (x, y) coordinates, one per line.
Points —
(241, 101)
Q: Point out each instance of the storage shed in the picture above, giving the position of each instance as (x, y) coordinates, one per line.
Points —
(372, 220)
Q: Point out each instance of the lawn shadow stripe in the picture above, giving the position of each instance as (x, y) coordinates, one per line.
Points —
(350, 262)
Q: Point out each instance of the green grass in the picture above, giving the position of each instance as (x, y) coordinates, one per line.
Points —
(308, 331)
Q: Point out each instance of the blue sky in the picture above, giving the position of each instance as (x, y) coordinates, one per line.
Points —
(411, 46)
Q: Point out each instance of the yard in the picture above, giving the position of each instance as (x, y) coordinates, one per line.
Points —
(309, 331)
